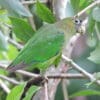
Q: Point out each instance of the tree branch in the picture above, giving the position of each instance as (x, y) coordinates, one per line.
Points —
(87, 8)
(46, 90)
(50, 76)
(9, 79)
(4, 87)
(64, 89)
(78, 68)
(26, 73)
(66, 76)
(32, 2)
(14, 43)
(30, 19)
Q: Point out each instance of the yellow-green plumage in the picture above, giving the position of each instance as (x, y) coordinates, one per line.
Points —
(44, 46)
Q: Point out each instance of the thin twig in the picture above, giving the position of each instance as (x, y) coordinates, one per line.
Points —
(6, 25)
(80, 69)
(65, 93)
(4, 87)
(66, 76)
(87, 8)
(30, 19)
(46, 90)
(26, 73)
(9, 79)
(3, 66)
(32, 2)
(19, 46)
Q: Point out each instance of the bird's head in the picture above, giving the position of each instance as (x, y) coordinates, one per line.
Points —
(79, 26)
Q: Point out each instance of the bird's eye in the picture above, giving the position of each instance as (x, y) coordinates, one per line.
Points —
(78, 21)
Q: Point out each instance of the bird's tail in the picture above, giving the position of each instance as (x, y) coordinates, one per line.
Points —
(13, 68)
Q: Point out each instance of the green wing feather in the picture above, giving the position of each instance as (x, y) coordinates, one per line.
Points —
(45, 44)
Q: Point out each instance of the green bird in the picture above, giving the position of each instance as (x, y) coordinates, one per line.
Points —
(45, 46)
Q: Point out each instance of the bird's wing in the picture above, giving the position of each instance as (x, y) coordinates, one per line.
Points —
(45, 44)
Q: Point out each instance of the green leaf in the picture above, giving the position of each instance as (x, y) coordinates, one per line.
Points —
(33, 89)
(84, 3)
(3, 42)
(96, 14)
(15, 7)
(4, 16)
(92, 41)
(22, 29)
(85, 93)
(98, 27)
(3, 71)
(95, 55)
(12, 52)
(16, 92)
(97, 75)
(44, 13)
(75, 5)
(78, 5)
(91, 24)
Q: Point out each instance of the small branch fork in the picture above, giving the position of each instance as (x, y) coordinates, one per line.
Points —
(80, 69)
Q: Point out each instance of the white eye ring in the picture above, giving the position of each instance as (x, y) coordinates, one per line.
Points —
(78, 21)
